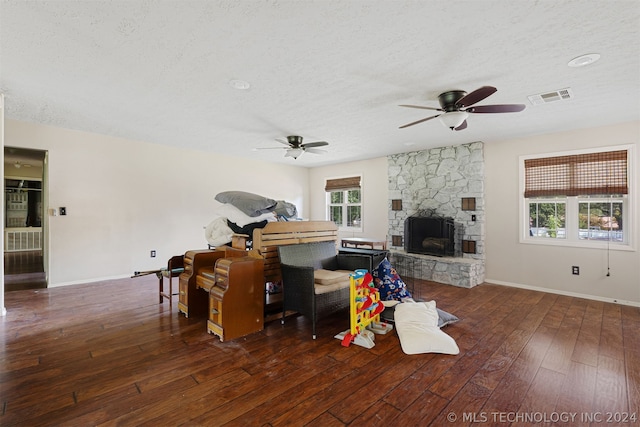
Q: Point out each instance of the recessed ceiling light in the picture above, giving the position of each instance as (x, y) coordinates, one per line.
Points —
(583, 60)
(239, 84)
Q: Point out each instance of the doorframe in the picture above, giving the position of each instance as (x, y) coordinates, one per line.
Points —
(45, 216)
(46, 246)
(28, 155)
(32, 155)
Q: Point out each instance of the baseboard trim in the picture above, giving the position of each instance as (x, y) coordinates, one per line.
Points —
(565, 293)
(85, 281)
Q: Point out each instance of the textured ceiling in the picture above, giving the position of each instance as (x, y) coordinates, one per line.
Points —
(159, 71)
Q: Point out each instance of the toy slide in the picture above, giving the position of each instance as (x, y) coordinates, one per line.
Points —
(365, 309)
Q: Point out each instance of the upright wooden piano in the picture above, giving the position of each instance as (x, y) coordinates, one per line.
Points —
(191, 301)
(236, 296)
(194, 302)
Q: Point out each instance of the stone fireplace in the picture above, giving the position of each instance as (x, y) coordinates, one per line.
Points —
(438, 183)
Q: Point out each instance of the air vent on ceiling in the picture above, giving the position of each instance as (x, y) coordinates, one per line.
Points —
(556, 95)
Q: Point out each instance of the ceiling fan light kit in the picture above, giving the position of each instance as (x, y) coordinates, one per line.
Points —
(456, 105)
(453, 119)
(294, 152)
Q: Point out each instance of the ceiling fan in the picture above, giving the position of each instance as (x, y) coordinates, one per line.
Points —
(18, 164)
(295, 147)
(456, 105)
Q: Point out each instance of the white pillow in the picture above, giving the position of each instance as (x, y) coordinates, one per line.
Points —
(417, 326)
(218, 232)
(240, 218)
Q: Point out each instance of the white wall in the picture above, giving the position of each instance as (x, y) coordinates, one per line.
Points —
(375, 190)
(545, 267)
(125, 198)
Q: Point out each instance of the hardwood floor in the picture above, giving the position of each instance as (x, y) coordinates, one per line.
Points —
(108, 354)
(23, 270)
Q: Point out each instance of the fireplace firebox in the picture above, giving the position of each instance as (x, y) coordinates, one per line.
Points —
(431, 235)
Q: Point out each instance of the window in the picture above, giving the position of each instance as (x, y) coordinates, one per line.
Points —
(601, 219)
(577, 199)
(344, 202)
(547, 218)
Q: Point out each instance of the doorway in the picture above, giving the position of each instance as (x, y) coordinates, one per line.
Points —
(24, 228)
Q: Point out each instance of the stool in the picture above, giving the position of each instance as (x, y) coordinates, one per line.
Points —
(175, 266)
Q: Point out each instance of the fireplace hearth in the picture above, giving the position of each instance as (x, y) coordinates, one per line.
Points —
(429, 235)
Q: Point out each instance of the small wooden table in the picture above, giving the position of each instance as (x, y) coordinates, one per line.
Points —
(364, 241)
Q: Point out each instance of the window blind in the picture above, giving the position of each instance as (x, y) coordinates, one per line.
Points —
(350, 183)
(602, 173)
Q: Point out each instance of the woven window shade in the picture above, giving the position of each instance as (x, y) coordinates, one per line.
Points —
(342, 184)
(576, 175)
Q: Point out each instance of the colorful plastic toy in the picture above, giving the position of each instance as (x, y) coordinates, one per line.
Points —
(365, 309)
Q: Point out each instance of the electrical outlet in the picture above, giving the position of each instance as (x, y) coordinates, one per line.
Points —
(153, 254)
(575, 270)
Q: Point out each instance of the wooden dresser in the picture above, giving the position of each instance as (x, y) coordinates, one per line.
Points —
(236, 296)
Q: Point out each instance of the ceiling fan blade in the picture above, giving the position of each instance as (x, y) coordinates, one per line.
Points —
(476, 96)
(315, 151)
(419, 121)
(270, 148)
(422, 108)
(462, 126)
(283, 141)
(498, 108)
(315, 144)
